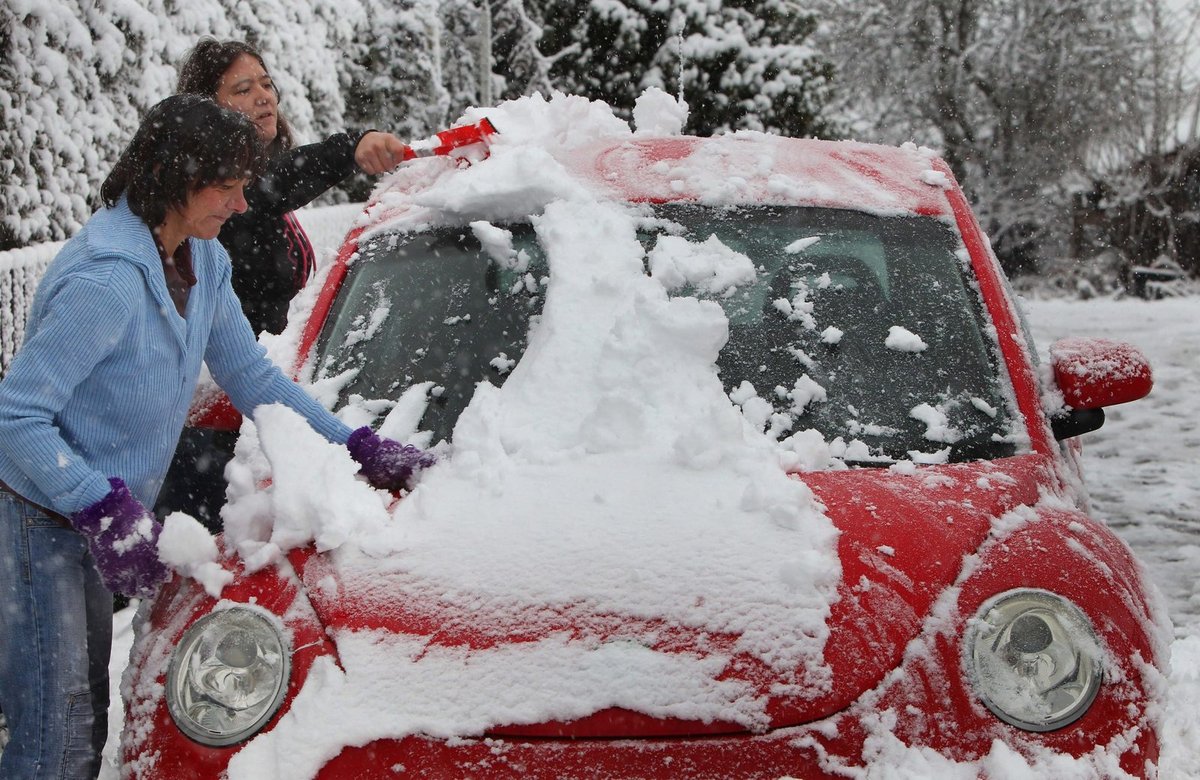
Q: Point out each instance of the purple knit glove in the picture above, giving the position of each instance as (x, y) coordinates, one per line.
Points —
(387, 464)
(123, 538)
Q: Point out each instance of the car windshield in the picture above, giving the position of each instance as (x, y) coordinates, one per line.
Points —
(863, 328)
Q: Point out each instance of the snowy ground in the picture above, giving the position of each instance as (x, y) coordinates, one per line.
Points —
(1141, 471)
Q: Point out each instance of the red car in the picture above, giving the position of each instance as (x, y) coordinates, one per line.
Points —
(954, 606)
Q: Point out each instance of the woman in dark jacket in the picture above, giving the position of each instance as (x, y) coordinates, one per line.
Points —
(271, 254)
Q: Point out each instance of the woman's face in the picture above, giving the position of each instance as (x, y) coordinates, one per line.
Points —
(208, 207)
(246, 87)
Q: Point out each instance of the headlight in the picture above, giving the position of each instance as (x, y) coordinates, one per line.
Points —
(1034, 659)
(227, 676)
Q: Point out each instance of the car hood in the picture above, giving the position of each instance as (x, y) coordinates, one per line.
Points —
(903, 538)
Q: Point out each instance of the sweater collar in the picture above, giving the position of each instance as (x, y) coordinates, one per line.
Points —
(121, 233)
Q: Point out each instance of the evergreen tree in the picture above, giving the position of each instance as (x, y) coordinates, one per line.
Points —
(739, 64)
(517, 63)
(396, 73)
(67, 108)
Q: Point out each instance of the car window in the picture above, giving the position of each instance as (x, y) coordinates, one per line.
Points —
(431, 307)
(862, 327)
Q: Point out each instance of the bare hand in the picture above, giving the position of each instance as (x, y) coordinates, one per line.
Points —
(378, 152)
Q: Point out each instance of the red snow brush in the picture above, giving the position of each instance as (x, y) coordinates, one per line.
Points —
(448, 141)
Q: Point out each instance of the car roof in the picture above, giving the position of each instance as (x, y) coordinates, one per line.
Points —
(743, 168)
(761, 168)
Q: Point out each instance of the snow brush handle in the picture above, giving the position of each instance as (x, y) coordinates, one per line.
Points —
(448, 140)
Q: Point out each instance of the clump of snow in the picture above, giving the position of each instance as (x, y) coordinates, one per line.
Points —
(937, 423)
(710, 266)
(935, 179)
(188, 548)
(924, 151)
(902, 339)
(799, 308)
(497, 242)
(928, 458)
(657, 113)
(805, 392)
(796, 247)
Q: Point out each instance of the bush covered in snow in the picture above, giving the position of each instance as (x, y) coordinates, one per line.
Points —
(75, 75)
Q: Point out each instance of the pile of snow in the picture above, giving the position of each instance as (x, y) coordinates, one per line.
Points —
(610, 474)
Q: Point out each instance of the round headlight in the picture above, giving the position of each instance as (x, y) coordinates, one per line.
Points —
(228, 676)
(1034, 659)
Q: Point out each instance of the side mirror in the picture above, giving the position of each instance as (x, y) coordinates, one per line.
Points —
(1093, 374)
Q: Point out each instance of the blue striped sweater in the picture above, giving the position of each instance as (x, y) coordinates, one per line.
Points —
(102, 384)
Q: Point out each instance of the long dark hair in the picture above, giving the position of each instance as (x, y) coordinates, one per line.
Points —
(203, 67)
(185, 142)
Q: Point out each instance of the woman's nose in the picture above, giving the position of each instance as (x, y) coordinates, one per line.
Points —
(238, 202)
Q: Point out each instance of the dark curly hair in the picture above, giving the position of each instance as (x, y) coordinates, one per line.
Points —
(204, 66)
(184, 143)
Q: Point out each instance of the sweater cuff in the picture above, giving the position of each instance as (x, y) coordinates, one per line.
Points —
(94, 489)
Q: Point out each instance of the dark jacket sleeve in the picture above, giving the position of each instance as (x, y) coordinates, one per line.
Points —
(296, 177)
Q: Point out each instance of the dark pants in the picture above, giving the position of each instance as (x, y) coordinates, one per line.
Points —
(195, 483)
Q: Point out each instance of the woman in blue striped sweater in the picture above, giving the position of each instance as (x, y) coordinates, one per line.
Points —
(91, 409)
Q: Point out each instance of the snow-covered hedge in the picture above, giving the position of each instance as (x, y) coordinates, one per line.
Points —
(75, 75)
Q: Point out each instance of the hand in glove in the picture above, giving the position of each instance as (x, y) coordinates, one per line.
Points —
(387, 464)
(123, 538)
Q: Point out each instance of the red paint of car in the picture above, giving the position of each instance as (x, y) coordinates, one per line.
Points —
(921, 553)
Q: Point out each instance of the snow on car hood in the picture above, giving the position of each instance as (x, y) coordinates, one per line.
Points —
(905, 537)
(610, 482)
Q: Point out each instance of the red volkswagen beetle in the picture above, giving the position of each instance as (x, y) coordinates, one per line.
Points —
(748, 468)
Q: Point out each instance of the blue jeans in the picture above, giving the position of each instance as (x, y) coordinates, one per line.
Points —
(55, 642)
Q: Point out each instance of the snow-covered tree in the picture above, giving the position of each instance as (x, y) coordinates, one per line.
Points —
(518, 65)
(76, 76)
(396, 77)
(737, 63)
(1016, 93)
(1169, 82)
(68, 105)
(463, 25)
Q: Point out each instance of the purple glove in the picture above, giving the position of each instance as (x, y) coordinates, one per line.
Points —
(387, 464)
(123, 538)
